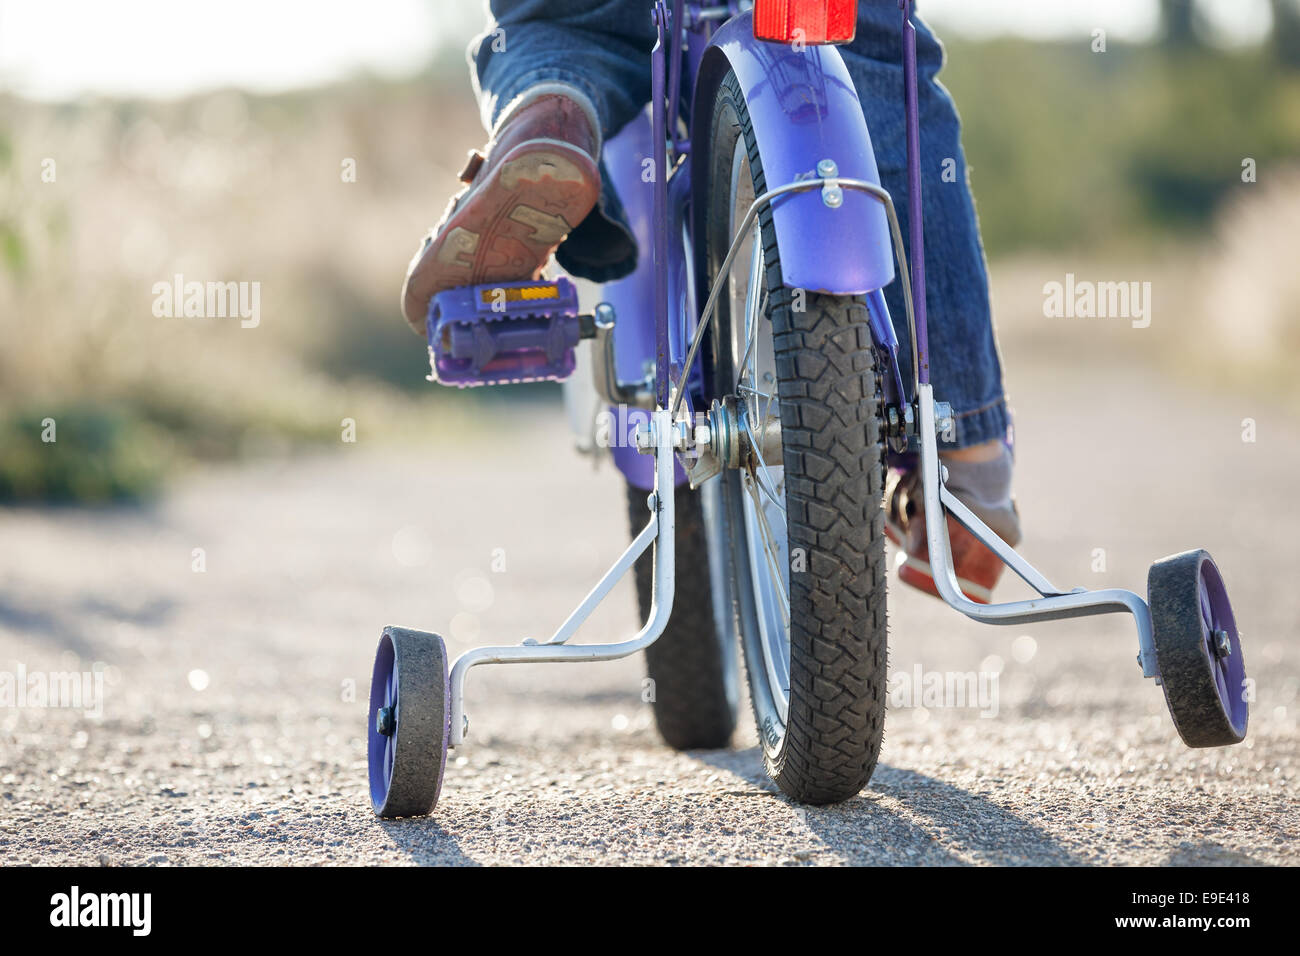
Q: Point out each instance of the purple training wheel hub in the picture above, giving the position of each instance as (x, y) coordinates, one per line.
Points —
(380, 739)
(504, 333)
(1198, 650)
(1223, 646)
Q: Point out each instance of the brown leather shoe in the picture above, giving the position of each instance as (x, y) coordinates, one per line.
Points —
(978, 568)
(538, 180)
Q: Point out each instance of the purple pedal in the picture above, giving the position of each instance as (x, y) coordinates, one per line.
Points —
(504, 332)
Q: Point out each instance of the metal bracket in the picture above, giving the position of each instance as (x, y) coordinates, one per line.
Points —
(605, 366)
(1053, 603)
(880, 194)
(659, 532)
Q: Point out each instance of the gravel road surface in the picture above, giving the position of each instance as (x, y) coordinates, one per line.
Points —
(233, 697)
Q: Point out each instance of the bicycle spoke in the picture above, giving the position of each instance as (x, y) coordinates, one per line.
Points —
(756, 392)
(763, 486)
(754, 297)
(769, 549)
(767, 411)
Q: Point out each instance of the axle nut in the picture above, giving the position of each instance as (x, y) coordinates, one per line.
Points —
(643, 438)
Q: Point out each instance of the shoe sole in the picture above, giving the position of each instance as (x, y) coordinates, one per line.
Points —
(508, 226)
(918, 574)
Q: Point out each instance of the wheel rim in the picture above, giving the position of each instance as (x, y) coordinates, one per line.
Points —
(1228, 668)
(383, 693)
(761, 533)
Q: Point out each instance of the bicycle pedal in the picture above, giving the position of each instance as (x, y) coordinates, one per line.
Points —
(505, 333)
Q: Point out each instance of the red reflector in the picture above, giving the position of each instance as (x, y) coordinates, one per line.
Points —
(805, 21)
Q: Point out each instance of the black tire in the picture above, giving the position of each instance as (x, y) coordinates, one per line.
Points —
(831, 406)
(420, 724)
(1185, 656)
(693, 665)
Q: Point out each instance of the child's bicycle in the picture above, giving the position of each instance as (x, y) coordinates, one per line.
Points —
(751, 356)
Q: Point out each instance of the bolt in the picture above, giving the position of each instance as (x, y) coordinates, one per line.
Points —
(644, 438)
(464, 726)
(652, 501)
(1222, 643)
(832, 195)
(943, 420)
(385, 724)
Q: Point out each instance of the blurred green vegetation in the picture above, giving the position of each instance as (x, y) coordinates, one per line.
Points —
(1075, 150)
(1076, 156)
(122, 447)
(95, 455)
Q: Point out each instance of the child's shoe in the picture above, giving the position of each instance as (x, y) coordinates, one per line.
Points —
(538, 180)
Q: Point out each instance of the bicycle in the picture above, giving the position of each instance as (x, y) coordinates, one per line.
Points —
(761, 425)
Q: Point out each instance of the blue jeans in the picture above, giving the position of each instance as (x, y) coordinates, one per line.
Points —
(602, 47)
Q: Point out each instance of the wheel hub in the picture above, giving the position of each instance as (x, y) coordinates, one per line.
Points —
(385, 722)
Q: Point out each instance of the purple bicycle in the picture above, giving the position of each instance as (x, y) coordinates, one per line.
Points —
(753, 372)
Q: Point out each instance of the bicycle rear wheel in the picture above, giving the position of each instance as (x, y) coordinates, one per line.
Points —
(803, 537)
(693, 667)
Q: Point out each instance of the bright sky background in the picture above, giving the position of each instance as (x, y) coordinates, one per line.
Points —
(54, 49)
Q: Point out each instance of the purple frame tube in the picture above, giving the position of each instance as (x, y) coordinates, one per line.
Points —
(914, 191)
(659, 131)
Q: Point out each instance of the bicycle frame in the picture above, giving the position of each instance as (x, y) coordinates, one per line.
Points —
(842, 203)
(804, 112)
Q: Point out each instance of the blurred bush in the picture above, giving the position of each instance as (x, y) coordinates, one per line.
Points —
(95, 455)
(1071, 149)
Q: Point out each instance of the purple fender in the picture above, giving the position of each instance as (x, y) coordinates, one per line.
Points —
(804, 109)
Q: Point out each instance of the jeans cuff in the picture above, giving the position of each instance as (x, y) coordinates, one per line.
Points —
(978, 425)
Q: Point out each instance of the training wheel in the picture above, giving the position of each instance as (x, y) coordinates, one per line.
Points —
(1198, 650)
(409, 722)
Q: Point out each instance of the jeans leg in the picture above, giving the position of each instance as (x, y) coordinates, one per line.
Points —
(964, 363)
(600, 47)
